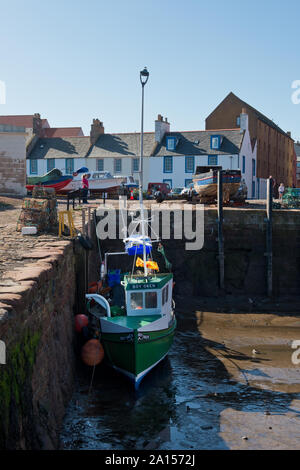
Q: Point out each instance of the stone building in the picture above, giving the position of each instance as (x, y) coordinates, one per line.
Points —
(275, 148)
(12, 160)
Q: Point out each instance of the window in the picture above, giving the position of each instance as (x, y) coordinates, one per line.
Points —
(171, 143)
(100, 164)
(212, 160)
(187, 182)
(168, 164)
(253, 167)
(238, 121)
(165, 294)
(258, 188)
(253, 188)
(244, 164)
(169, 182)
(215, 142)
(33, 167)
(136, 301)
(69, 166)
(135, 164)
(118, 165)
(151, 299)
(50, 164)
(189, 164)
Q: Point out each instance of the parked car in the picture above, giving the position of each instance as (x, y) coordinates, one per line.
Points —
(185, 191)
(175, 193)
(163, 188)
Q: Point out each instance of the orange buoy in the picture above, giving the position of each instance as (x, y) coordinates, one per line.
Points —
(92, 352)
(80, 322)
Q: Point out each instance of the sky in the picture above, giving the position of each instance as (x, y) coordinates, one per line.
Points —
(74, 60)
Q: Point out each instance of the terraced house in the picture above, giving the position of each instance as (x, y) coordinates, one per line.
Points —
(170, 157)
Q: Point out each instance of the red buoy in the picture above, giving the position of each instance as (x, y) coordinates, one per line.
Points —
(80, 322)
(92, 352)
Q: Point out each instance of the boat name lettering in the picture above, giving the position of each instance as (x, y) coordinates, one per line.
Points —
(142, 286)
(127, 338)
(142, 337)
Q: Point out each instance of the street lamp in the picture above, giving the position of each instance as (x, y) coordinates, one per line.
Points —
(144, 75)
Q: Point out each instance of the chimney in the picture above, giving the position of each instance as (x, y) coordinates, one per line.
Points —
(161, 127)
(289, 134)
(244, 120)
(97, 129)
(37, 124)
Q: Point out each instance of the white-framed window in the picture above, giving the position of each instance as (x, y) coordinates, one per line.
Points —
(212, 160)
(189, 164)
(215, 142)
(136, 300)
(165, 294)
(69, 166)
(150, 299)
(168, 164)
(33, 167)
(171, 143)
(100, 164)
(135, 165)
(117, 165)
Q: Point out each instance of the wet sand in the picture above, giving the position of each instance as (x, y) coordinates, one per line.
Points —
(212, 392)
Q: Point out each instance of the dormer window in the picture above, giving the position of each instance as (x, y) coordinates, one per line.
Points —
(171, 143)
(215, 142)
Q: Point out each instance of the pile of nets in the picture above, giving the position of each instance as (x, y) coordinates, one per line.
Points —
(40, 211)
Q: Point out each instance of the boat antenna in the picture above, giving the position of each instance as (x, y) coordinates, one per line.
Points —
(144, 75)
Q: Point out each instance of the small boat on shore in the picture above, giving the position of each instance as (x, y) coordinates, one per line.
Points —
(99, 182)
(52, 179)
(206, 181)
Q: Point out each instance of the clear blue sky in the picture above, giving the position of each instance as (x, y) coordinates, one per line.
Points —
(75, 60)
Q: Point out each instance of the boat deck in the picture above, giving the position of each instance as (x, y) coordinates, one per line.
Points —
(133, 322)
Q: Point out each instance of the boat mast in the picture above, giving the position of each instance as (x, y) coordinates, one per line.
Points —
(144, 75)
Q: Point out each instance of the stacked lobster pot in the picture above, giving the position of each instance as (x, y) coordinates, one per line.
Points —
(40, 211)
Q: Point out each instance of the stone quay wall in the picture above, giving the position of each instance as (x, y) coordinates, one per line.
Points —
(37, 304)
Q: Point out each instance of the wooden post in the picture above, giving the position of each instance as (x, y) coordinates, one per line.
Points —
(269, 237)
(220, 230)
(83, 221)
(89, 223)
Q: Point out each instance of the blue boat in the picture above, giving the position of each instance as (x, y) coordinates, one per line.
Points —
(206, 181)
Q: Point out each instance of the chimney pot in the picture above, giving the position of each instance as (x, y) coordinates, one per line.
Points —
(97, 129)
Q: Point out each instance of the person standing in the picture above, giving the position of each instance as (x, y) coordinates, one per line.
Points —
(84, 188)
(281, 191)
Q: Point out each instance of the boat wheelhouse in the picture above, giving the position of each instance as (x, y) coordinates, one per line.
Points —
(136, 336)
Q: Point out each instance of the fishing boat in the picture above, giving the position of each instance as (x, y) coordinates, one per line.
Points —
(52, 179)
(99, 182)
(206, 181)
(135, 318)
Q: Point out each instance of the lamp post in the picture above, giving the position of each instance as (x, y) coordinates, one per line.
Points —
(144, 75)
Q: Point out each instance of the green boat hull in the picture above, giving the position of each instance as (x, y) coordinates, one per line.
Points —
(136, 353)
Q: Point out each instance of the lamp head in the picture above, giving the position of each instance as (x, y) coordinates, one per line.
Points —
(144, 75)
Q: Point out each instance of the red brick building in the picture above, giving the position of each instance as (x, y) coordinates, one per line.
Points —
(275, 148)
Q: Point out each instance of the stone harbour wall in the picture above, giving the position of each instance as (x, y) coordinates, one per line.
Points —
(36, 324)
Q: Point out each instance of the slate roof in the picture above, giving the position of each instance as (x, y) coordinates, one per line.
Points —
(56, 147)
(128, 145)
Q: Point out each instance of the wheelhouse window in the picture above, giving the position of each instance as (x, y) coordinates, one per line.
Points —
(151, 299)
(136, 301)
(165, 295)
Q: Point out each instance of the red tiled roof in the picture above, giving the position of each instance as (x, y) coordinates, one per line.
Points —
(23, 121)
(62, 132)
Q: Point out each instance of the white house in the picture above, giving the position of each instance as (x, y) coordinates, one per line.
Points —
(169, 156)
